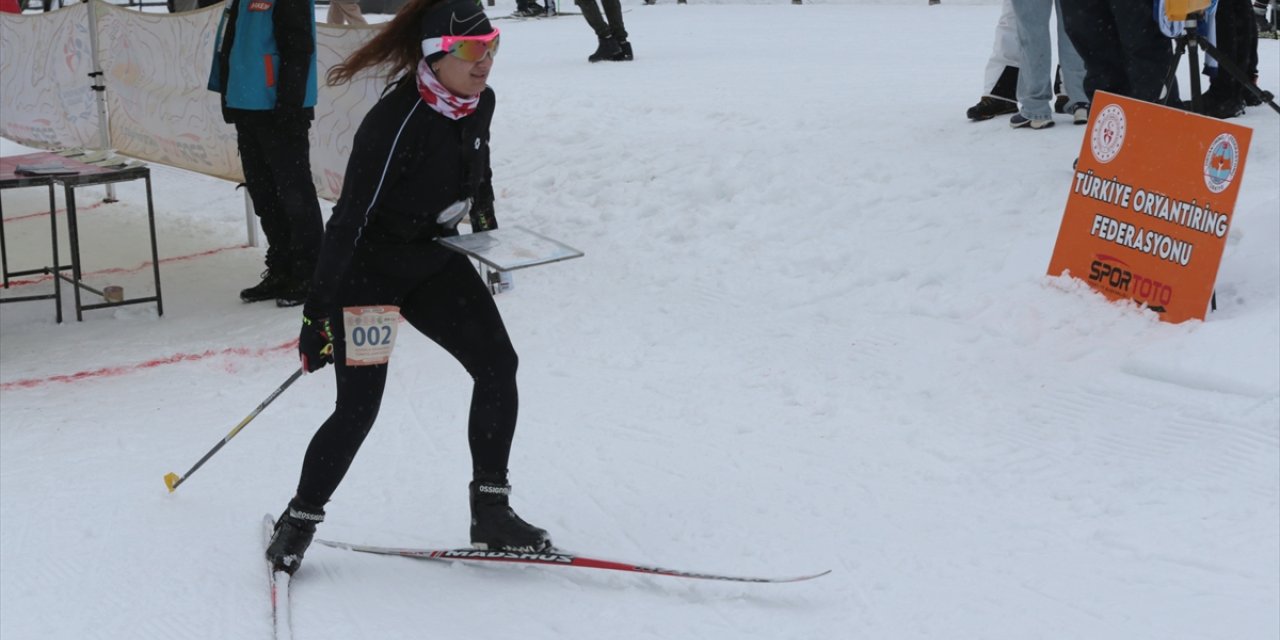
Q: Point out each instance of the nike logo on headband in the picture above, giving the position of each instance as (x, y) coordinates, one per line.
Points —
(453, 21)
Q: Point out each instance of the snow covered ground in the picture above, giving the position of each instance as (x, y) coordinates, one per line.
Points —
(812, 330)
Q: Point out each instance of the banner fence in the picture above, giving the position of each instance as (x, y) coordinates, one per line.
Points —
(155, 69)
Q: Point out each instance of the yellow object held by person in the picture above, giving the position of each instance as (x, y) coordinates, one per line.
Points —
(1177, 10)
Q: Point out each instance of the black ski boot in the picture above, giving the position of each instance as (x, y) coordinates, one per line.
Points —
(294, 530)
(495, 526)
(624, 52)
(607, 50)
(273, 284)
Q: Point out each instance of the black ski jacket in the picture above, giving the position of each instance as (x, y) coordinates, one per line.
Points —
(407, 164)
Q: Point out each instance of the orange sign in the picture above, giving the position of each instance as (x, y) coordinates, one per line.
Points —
(1150, 205)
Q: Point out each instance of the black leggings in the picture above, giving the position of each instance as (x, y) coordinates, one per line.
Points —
(452, 307)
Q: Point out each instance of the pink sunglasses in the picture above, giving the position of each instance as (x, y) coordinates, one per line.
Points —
(469, 48)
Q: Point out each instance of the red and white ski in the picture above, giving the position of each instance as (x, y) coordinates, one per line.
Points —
(278, 581)
(554, 557)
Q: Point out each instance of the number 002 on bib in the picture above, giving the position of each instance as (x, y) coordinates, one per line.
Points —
(370, 333)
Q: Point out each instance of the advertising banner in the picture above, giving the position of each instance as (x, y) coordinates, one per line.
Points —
(45, 99)
(155, 68)
(1150, 205)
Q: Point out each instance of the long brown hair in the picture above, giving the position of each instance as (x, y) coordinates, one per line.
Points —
(398, 46)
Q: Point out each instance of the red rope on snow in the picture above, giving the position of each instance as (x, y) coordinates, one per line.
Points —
(40, 214)
(105, 372)
(140, 267)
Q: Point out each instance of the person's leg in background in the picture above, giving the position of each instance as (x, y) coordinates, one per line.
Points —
(290, 160)
(1094, 34)
(608, 47)
(529, 8)
(1251, 62)
(1147, 52)
(277, 167)
(613, 13)
(1071, 70)
(260, 183)
(1234, 22)
(1035, 88)
(1000, 88)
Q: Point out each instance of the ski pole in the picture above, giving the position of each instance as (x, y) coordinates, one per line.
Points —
(172, 480)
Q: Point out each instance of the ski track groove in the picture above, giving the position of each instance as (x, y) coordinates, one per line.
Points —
(1095, 423)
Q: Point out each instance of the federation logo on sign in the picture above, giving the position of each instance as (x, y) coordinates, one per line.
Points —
(1220, 163)
(1108, 134)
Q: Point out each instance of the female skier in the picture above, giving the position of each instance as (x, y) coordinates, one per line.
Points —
(420, 157)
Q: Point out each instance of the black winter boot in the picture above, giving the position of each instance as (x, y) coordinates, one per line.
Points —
(989, 107)
(495, 526)
(294, 530)
(1223, 100)
(607, 50)
(624, 53)
(274, 282)
(294, 292)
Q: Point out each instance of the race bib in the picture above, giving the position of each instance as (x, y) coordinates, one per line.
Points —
(370, 333)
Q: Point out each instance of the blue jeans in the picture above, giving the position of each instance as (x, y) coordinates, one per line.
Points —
(1035, 78)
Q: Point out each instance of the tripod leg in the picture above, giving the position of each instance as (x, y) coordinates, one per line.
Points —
(1173, 66)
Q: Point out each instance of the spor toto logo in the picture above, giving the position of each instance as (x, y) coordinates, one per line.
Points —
(1108, 134)
(1118, 276)
(1220, 163)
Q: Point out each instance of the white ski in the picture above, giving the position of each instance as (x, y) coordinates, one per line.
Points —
(278, 581)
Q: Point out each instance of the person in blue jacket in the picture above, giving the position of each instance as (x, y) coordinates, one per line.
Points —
(264, 66)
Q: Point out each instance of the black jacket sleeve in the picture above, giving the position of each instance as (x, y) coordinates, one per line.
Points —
(381, 156)
(482, 209)
(482, 215)
(293, 21)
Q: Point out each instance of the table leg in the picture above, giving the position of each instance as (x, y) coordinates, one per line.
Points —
(155, 252)
(4, 249)
(57, 268)
(73, 232)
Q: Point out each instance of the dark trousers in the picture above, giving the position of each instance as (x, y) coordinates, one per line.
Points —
(1123, 49)
(276, 157)
(1237, 41)
(608, 25)
(454, 309)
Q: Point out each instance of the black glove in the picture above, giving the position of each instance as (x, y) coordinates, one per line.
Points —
(482, 218)
(315, 344)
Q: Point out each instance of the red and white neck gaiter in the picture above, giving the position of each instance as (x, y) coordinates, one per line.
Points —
(441, 99)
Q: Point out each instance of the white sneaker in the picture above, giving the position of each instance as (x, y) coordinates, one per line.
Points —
(1018, 121)
(1079, 113)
